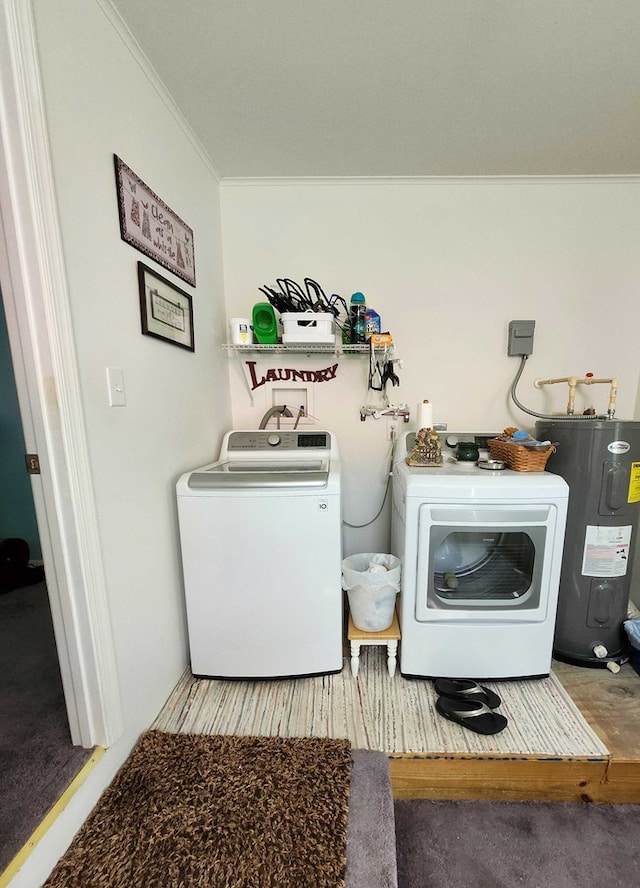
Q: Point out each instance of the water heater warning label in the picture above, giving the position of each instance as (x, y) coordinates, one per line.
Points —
(606, 551)
(634, 483)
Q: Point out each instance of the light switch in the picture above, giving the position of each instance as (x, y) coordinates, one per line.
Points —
(115, 387)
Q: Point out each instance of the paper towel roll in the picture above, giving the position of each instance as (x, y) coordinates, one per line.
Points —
(425, 414)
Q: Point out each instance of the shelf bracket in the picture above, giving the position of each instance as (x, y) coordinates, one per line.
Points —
(243, 373)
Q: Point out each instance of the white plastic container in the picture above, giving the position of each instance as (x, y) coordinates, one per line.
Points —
(372, 594)
(240, 331)
(307, 326)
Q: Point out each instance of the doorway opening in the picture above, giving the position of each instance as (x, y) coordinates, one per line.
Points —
(36, 751)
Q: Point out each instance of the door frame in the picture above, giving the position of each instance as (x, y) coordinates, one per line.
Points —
(37, 304)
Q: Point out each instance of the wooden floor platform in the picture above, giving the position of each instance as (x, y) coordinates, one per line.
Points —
(611, 705)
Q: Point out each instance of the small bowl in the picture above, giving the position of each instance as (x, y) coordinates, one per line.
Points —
(493, 465)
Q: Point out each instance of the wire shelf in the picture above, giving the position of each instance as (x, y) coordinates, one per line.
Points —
(304, 347)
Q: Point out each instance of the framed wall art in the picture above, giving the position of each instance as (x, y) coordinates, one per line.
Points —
(149, 225)
(165, 311)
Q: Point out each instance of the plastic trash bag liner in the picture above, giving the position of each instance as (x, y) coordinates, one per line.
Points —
(372, 582)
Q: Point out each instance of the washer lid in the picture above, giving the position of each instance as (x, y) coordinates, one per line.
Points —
(230, 474)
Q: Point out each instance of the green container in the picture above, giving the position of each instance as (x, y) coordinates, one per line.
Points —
(265, 328)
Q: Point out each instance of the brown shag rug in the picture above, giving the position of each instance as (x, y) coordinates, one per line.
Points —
(217, 812)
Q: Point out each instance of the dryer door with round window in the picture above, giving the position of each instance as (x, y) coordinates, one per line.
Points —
(484, 562)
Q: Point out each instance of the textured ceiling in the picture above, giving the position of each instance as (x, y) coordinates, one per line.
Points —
(401, 87)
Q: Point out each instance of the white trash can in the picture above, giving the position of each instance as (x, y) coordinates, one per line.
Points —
(372, 582)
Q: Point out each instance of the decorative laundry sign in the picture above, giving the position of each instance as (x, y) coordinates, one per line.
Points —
(148, 224)
(289, 374)
(606, 551)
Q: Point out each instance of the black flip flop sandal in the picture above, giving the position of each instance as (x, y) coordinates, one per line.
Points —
(471, 714)
(466, 689)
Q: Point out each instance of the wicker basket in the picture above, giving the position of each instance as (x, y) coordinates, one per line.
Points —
(519, 458)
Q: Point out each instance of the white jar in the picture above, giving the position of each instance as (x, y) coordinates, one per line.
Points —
(240, 331)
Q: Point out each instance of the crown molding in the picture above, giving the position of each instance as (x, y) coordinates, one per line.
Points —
(283, 181)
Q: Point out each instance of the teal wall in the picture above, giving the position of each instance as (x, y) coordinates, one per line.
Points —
(17, 514)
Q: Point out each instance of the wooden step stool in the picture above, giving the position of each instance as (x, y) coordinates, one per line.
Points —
(390, 637)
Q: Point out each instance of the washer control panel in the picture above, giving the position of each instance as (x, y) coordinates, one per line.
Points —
(257, 441)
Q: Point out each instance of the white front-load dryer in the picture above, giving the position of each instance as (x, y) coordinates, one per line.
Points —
(260, 533)
(481, 553)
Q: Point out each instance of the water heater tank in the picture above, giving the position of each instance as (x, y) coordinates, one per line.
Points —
(600, 461)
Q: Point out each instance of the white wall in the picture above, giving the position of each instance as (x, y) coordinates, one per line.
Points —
(99, 101)
(447, 264)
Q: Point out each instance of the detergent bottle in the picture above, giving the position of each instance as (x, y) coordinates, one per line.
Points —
(357, 320)
(372, 323)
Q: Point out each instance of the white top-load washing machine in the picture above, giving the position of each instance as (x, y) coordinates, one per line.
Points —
(481, 552)
(260, 533)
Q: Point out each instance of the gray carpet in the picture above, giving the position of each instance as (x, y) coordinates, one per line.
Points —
(37, 760)
(478, 844)
(371, 845)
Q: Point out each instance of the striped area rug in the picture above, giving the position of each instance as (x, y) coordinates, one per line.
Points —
(374, 711)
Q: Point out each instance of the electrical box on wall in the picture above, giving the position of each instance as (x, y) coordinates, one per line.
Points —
(520, 338)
